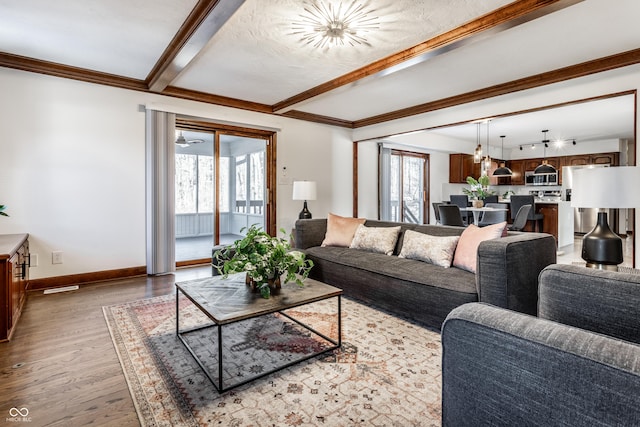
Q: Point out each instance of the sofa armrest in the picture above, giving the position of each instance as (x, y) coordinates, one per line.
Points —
(606, 302)
(310, 232)
(500, 367)
(508, 268)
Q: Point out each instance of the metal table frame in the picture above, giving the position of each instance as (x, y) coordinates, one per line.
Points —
(219, 385)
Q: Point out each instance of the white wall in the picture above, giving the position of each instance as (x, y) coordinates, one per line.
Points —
(614, 81)
(72, 168)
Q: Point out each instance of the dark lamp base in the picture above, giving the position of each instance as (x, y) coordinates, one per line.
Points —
(304, 213)
(601, 247)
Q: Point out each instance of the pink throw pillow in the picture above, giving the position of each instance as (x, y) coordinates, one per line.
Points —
(340, 230)
(466, 255)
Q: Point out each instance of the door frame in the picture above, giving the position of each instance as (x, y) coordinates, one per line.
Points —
(270, 166)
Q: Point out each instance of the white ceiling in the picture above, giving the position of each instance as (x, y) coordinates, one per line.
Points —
(254, 56)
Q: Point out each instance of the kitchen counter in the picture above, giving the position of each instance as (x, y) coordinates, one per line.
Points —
(558, 218)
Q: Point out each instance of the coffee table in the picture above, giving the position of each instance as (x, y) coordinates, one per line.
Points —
(228, 301)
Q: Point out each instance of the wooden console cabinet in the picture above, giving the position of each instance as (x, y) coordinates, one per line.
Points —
(14, 276)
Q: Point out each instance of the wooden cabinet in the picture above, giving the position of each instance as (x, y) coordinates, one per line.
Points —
(517, 167)
(14, 276)
(461, 166)
(550, 221)
(592, 159)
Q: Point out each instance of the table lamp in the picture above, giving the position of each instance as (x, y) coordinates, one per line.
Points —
(304, 190)
(603, 188)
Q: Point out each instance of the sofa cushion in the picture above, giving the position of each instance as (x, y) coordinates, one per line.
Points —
(466, 255)
(340, 230)
(432, 249)
(376, 239)
(396, 268)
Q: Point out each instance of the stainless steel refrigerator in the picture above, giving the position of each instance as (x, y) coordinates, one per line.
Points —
(585, 219)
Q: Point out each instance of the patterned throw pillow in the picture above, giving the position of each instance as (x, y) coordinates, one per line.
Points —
(436, 250)
(466, 255)
(376, 239)
(340, 230)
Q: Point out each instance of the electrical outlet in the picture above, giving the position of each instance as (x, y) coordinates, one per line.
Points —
(56, 257)
(33, 260)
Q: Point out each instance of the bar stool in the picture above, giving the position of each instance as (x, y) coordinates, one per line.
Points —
(518, 201)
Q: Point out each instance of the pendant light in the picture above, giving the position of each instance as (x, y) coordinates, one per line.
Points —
(477, 154)
(545, 167)
(487, 159)
(503, 170)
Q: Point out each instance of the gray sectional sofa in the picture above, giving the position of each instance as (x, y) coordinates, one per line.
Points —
(506, 275)
(576, 364)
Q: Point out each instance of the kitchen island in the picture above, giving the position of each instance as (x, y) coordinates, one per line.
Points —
(558, 219)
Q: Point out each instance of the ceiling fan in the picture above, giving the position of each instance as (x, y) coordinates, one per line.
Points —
(183, 142)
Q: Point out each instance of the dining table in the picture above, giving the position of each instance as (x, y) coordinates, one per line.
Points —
(477, 212)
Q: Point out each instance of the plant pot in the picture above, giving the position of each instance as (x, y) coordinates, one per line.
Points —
(477, 203)
(275, 285)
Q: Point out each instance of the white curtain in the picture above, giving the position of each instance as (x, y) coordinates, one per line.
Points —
(384, 159)
(160, 191)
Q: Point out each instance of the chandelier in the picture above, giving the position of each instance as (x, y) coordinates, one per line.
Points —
(326, 24)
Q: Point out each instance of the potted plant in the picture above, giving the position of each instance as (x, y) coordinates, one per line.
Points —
(479, 189)
(265, 259)
(2, 213)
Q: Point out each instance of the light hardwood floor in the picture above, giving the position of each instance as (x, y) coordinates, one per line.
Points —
(61, 364)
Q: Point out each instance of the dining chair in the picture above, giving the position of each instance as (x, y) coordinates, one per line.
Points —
(494, 217)
(521, 218)
(462, 201)
(436, 211)
(450, 215)
(490, 199)
(518, 201)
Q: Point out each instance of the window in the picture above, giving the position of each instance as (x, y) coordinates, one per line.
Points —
(194, 184)
(403, 186)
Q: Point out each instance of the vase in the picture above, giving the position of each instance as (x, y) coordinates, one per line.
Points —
(477, 203)
(275, 284)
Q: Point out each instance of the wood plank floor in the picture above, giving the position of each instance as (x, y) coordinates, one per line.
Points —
(61, 364)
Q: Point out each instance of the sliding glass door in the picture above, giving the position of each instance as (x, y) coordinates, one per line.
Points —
(403, 186)
(194, 195)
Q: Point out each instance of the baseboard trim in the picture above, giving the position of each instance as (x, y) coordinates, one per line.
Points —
(84, 278)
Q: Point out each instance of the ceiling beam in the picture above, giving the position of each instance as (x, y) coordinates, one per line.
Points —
(599, 65)
(506, 17)
(68, 72)
(204, 21)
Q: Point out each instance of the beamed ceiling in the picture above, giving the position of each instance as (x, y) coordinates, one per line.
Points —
(425, 55)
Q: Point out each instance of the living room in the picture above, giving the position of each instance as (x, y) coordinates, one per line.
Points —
(73, 149)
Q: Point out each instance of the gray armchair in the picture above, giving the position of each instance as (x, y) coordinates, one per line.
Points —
(577, 364)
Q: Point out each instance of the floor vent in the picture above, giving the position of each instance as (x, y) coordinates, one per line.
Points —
(64, 289)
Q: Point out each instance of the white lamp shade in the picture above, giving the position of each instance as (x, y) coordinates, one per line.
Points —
(304, 190)
(612, 187)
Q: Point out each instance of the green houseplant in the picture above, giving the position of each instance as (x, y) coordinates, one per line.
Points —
(479, 188)
(265, 259)
(2, 213)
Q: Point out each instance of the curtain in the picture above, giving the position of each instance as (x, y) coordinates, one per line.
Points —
(160, 192)
(384, 159)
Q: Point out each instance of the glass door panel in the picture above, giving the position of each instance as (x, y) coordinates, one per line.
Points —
(242, 185)
(194, 195)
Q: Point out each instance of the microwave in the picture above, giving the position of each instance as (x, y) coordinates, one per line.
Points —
(532, 178)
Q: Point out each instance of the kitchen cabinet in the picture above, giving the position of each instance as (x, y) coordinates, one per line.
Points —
(14, 276)
(461, 166)
(592, 159)
(550, 221)
(517, 167)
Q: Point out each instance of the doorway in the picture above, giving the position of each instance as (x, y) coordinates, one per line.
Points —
(224, 183)
(404, 186)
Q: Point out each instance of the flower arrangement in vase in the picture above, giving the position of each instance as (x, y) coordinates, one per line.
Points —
(265, 259)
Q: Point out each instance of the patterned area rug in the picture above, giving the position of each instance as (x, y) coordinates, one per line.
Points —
(387, 372)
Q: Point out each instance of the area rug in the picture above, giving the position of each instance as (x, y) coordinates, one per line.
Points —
(387, 372)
